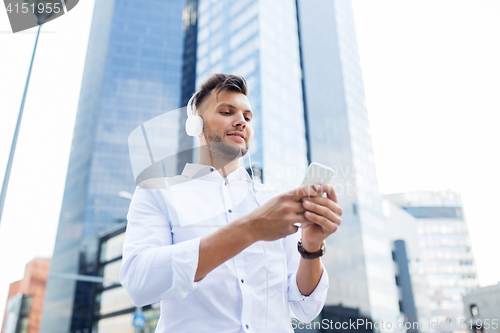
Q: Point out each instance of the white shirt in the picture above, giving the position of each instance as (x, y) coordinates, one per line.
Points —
(160, 256)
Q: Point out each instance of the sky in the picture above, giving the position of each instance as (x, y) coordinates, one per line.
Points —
(431, 71)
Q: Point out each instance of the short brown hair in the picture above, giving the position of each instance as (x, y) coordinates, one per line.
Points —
(220, 82)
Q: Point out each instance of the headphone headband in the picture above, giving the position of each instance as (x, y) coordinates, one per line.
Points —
(190, 110)
(194, 123)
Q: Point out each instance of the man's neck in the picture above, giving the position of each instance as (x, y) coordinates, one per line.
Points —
(224, 167)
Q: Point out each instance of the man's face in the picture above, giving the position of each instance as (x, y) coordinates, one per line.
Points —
(227, 119)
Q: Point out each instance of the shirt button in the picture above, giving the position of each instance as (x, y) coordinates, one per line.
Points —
(230, 211)
(242, 281)
(246, 326)
(212, 169)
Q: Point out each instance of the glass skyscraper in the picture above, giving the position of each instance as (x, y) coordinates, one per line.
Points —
(259, 40)
(300, 59)
(360, 265)
(306, 89)
(133, 72)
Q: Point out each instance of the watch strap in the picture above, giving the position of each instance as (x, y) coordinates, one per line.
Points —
(310, 255)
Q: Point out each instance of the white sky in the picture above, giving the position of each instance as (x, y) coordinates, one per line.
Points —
(432, 80)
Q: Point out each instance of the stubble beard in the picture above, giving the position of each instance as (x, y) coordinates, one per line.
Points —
(223, 150)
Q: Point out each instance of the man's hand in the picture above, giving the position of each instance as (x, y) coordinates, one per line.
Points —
(324, 213)
(271, 221)
(275, 219)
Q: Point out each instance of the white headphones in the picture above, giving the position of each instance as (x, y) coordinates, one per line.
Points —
(194, 123)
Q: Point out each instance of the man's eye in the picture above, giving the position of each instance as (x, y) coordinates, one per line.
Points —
(224, 112)
(247, 119)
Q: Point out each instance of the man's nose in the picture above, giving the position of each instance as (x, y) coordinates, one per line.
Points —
(240, 121)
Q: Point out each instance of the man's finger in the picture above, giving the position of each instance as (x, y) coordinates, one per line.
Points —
(330, 191)
(328, 226)
(297, 207)
(321, 210)
(334, 207)
(300, 218)
(298, 193)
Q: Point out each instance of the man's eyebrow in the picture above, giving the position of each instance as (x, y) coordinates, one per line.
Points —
(233, 107)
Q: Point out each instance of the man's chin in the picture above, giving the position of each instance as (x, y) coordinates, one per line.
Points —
(228, 150)
(244, 151)
(243, 147)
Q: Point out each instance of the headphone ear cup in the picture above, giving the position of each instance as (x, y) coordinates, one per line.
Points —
(194, 125)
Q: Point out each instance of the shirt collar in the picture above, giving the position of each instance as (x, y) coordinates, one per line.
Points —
(193, 171)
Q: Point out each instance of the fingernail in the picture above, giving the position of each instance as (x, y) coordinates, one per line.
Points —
(316, 187)
(306, 203)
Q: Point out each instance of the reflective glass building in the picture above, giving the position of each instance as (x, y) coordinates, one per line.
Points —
(300, 59)
(360, 264)
(133, 72)
(445, 262)
(259, 40)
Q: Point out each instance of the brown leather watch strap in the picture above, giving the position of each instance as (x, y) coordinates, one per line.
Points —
(310, 255)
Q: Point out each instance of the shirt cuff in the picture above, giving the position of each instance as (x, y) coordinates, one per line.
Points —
(318, 294)
(185, 258)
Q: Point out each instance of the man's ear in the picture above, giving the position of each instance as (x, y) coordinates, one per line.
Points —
(202, 134)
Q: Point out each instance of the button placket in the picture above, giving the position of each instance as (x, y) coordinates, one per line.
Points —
(246, 295)
(239, 262)
(227, 200)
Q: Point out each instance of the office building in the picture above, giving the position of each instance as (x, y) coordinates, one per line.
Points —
(23, 312)
(403, 228)
(306, 91)
(113, 309)
(133, 72)
(361, 267)
(445, 262)
(482, 310)
(308, 98)
(259, 40)
(404, 283)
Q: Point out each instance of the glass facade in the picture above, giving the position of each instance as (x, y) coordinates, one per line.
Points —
(446, 262)
(259, 40)
(361, 268)
(133, 73)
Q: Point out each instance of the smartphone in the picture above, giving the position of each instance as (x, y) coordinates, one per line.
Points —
(317, 174)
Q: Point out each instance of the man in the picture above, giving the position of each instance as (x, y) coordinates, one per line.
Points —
(220, 256)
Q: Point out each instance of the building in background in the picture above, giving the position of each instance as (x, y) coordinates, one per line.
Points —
(337, 315)
(405, 287)
(308, 99)
(133, 72)
(146, 58)
(402, 227)
(338, 135)
(482, 309)
(113, 309)
(445, 262)
(23, 312)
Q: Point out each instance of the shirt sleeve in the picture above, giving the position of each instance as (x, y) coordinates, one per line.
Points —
(152, 267)
(304, 308)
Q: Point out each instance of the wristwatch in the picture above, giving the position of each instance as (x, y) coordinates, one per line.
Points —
(310, 255)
